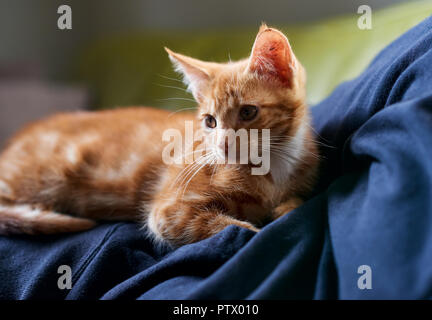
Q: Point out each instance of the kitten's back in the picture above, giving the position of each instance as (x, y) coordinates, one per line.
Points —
(85, 163)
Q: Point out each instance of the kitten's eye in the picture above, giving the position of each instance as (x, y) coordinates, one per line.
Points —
(248, 112)
(210, 121)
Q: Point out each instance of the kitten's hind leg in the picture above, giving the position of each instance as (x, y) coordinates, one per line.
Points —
(26, 219)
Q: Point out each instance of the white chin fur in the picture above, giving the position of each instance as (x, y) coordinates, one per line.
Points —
(282, 168)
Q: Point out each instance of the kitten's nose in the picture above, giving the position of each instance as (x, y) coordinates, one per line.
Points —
(223, 146)
(226, 147)
(223, 140)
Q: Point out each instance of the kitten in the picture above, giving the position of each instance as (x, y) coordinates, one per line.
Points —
(65, 173)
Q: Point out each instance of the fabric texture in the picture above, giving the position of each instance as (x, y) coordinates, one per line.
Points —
(373, 206)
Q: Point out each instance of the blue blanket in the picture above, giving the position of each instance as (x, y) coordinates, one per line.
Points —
(366, 233)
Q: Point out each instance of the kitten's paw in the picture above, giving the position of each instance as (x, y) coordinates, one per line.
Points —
(253, 228)
(286, 207)
(225, 221)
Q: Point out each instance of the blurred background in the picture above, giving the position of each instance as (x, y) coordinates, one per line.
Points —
(114, 56)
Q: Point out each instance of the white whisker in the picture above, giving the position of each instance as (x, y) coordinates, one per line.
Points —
(172, 87)
(176, 98)
(180, 110)
(173, 79)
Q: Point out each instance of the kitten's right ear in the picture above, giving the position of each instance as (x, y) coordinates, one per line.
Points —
(272, 56)
(196, 73)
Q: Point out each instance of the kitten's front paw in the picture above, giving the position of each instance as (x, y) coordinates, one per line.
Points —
(253, 228)
(286, 207)
(226, 220)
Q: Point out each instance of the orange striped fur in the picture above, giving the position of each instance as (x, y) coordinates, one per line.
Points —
(64, 173)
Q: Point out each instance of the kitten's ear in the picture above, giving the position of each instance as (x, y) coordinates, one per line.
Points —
(196, 73)
(272, 56)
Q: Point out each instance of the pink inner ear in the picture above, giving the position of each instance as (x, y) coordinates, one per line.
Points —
(272, 56)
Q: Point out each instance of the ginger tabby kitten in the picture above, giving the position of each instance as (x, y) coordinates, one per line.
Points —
(65, 173)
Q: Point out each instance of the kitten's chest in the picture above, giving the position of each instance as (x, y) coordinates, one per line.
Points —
(259, 196)
(250, 194)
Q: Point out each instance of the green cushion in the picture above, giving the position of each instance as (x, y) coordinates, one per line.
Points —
(133, 69)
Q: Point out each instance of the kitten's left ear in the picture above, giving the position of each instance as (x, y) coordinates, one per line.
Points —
(196, 73)
(272, 56)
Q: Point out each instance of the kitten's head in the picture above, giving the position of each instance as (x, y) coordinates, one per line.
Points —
(264, 91)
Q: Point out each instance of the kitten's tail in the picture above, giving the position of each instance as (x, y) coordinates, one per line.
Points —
(19, 219)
